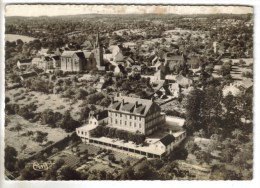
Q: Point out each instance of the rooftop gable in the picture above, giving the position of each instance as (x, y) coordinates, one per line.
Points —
(167, 140)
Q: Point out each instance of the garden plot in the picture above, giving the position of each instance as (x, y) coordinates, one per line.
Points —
(19, 138)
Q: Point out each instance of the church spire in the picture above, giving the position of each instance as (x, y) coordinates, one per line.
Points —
(97, 41)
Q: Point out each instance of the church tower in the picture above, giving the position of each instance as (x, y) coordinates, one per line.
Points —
(98, 52)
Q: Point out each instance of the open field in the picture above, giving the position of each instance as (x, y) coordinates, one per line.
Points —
(17, 140)
(44, 101)
(13, 37)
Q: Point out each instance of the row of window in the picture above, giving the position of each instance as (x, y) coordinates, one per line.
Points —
(126, 123)
(125, 116)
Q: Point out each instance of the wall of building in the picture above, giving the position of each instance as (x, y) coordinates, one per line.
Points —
(127, 122)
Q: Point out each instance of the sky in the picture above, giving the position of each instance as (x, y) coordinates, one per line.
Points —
(56, 10)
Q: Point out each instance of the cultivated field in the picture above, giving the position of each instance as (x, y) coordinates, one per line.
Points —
(17, 139)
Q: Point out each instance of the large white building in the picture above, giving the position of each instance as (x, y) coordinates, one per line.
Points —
(133, 115)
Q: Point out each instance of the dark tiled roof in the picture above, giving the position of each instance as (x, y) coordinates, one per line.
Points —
(47, 58)
(28, 75)
(56, 57)
(132, 105)
(129, 107)
(80, 55)
(101, 115)
(25, 60)
(167, 140)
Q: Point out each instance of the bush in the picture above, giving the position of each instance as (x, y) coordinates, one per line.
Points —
(175, 113)
(247, 74)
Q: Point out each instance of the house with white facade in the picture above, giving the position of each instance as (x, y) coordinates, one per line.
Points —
(132, 115)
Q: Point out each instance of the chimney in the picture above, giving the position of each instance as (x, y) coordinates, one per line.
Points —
(97, 116)
(123, 101)
(136, 104)
(91, 113)
(170, 131)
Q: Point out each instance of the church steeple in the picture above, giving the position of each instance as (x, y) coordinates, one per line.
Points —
(97, 45)
(98, 52)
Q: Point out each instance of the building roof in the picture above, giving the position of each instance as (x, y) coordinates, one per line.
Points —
(47, 58)
(174, 86)
(87, 43)
(36, 59)
(28, 75)
(158, 84)
(25, 60)
(87, 54)
(119, 57)
(136, 68)
(101, 115)
(167, 140)
(183, 81)
(172, 56)
(80, 54)
(193, 60)
(68, 53)
(56, 57)
(131, 105)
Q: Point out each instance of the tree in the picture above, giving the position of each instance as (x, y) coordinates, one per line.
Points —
(52, 174)
(18, 128)
(40, 136)
(67, 122)
(237, 133)
(84, 114)
(194, 107)
(127, 174)
(10, 158)
(178, 153)
(191, 147)
(23, 147)
(28, 173)
(111, 157)
(68, 173)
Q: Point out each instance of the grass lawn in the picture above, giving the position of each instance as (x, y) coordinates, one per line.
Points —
(12, 138)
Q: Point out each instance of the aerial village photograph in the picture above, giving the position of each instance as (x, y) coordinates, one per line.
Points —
(120, 92)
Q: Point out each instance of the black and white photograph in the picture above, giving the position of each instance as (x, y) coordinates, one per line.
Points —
(128, 92)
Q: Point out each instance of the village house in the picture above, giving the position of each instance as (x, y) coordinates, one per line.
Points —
(193, 62)
(24, 63)
(43, 52)
(183, 81)
(172, 59)
(36, 61)
(27, 75)
(175, 89)
(160, 89)
(100, 85)
(56, 61)
(136, 69)
(131, 45)
(94, 120)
